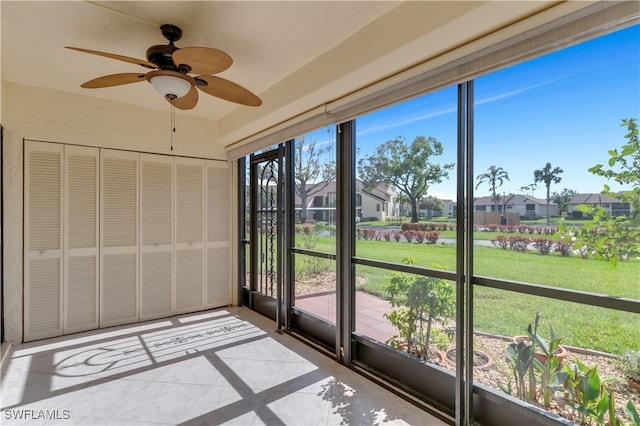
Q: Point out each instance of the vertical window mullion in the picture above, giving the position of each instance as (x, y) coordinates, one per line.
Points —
(345, 233)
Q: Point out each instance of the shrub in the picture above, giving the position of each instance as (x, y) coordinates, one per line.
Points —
(518, 243)
(544, 245)
(564, 248)
(409, 235)
(386, 235)
(420, 236)
(369, 219)
(630, 365)
(422, 305)
(428, 226)
(432, 236)
(500, 241)
(366, 233)
(396, 235)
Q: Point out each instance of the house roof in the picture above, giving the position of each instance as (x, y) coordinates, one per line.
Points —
(321, 189)
(511, 200)
(592, 199)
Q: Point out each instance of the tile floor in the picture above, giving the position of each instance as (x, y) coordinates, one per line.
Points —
(225, 366)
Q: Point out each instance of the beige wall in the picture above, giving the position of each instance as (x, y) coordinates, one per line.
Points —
(38, 114)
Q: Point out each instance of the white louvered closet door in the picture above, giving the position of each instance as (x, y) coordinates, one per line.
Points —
(189, 229)
(218, 288)
(80, 239)
(119, 238)
(156, 271)
(42, 240)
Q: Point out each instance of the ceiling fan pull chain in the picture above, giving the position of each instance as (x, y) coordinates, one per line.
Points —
(173, 121)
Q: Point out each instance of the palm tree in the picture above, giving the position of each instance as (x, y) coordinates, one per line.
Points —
(494, 176)
(547, 176)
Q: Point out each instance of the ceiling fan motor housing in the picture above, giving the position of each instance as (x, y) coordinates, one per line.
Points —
(162, 54)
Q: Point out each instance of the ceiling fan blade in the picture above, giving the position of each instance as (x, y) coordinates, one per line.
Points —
(113, 80)
(202, 60)
(227, 90)
(114, 56)
(188, 101)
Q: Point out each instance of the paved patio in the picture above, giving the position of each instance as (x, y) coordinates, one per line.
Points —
(225, 366)
(370, 311)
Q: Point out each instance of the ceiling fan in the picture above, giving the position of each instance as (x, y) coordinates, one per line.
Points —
(171, 68)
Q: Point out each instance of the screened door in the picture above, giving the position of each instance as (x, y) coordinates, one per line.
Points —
(266, 271)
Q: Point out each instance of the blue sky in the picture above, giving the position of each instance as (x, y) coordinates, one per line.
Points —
(565, 108)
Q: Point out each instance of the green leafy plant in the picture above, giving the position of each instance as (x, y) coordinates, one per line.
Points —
(520, 355)
(583, 385)
(552, 377)
(631, 410)
(525, 359)
(630, 365)
(309, 235)
(423, 306)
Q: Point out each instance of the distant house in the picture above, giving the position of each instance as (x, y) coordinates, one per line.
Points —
(525, 205)
(449, 208)
(374, 202)
(612, 205)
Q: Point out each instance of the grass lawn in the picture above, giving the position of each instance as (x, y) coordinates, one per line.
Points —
(509, 313)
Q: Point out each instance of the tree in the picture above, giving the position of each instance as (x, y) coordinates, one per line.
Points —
(563, 198)
(547, 176)
(618, 237)
(405, 166)
(495, 177)
(628, 161)
(431, 204)
(310, 173)
(532, 187)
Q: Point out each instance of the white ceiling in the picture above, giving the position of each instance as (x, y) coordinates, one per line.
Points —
(268, 40)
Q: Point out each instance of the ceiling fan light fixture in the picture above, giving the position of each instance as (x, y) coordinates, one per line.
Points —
(170, 84)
